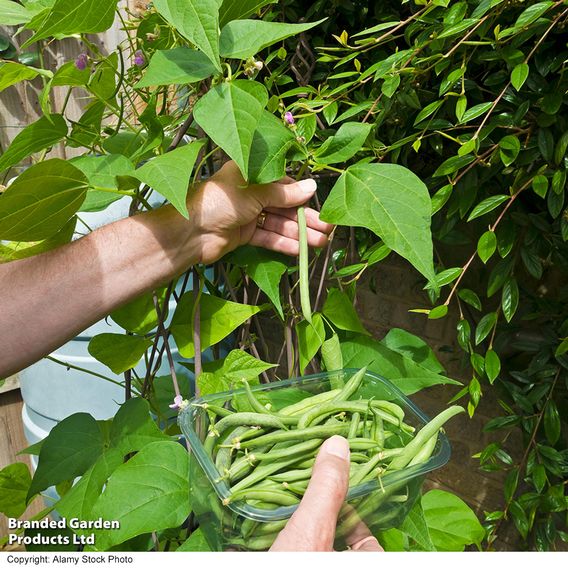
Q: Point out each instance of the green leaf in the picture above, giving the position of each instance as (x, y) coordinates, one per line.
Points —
(475, 111)
(197, 21)
(540, 185)
(461, 106)
(444, 278)
(177, 66)
(452, 165)
(139, 316)
(102, 171)
(270, 144)
(511, 484)
(69, 75)
(415, 527)
(12, 73)
(390, 201)
(440, 198)
(218, 317)
(310, 338)
(265, 268)
(41, 201)
(406, 374)
(118, 352)
(484, 327)
(428, 111)
(390, 85)
(552, 424)
(509, 148)
(37, 136)
(486, 246)
(492, 365)
(532, 13)
(241, 39)
(71, 448)
(438, 312)
(331, 353)
(562, 348)
(15, 481)
(195, 543)
(519, 75)
(451, 523)
(348, 140)
(230, 113)
(13, 14)
(69, 17)
(169, 174)
(150, 492)
(412, 346)
(470, 297)
(458, 28)
(510, 299)
(231, 10)
(498, 276)
(339, 309)
(487, 205)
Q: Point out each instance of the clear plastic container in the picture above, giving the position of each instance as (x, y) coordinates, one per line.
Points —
(240, 526)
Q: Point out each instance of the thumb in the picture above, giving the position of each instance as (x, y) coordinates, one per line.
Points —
(312, 526)
(284, 195)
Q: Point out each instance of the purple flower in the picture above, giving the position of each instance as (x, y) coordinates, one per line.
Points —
(139, 58)
(289, 118)
(178, 402)
(81, 61)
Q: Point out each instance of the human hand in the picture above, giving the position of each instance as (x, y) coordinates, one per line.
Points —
(223, 212)
(312, 526)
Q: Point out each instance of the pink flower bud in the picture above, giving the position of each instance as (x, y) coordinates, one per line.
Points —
(289, 118)
(81, 61)
(139, 58)
(178, 402)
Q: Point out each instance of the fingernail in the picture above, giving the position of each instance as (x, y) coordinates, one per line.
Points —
(337, 446)
(308, 185)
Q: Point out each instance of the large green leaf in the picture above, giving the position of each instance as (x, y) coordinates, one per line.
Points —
(169, 174)
(13, 14)
(265, 268)
(451, 523)
(150, 492)
(237, 366)
(412, 346)
(230, 114)
(407, 375)
(339, 309)
(415, 527)
(310, 338)
(39, 135)
(231, 10)
(195, 543)
(241, 39)
(344, 145)
(118, 352)
(218, 319)
(15, 480)
(101, 171)
(140, 316)
(392, 202)
(197, 21)
(69, 17)
(132, 429)
(41, 201)
(176, 66)
(270, 144)
(12, 73)
(71, 448)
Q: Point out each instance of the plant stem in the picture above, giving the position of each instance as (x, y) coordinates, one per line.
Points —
(197, 291)
(75, 368)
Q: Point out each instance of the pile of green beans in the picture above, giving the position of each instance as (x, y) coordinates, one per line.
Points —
(266, 456)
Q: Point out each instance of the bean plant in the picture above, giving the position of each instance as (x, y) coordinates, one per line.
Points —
(435, 131)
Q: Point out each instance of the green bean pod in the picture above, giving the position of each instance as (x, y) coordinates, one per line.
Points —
(303, 447)
(277, 497)
(355, 419)
(303, 261)
(246, 419)
(307, 403)
(351, 385)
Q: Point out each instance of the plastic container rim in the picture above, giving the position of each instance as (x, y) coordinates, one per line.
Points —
(223, 491)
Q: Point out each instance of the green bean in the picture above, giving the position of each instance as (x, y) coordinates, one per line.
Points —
(351, 385)
(425, 452)
(271, 527)
(304, 434)
(256, 405)
(358, 475)
(424, 434)
(358, 457)
(379, 429)
(285, 452)
(355, 419)
(303, 261)
(218, 410)
(308, 402)
(275, 496)
(292, 475)
(298, 487)
(245, 419)
(223, 458)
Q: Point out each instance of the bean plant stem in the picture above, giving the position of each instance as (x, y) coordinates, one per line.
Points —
(76, 368)
(197, 291)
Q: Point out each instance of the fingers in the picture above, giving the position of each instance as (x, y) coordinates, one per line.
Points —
(361, 539)
(368, 544)
(280, 194)
(275, 242)
(289, 228)
(312, 526)
(312, 218)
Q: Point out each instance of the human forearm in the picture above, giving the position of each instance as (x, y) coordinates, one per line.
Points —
(48, 299)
